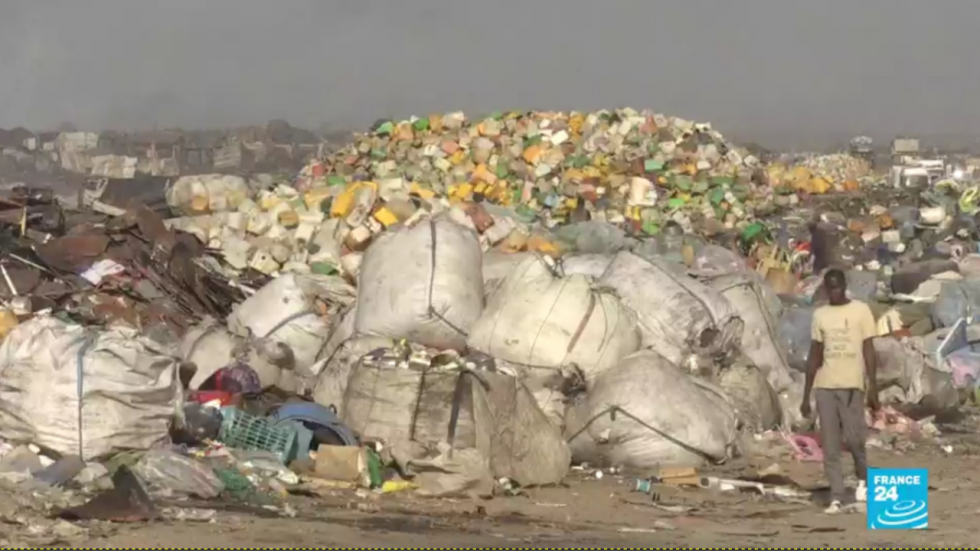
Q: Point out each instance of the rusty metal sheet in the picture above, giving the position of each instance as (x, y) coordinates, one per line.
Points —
(73, 253)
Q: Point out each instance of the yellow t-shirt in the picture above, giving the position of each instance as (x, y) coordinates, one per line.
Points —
(842, 330)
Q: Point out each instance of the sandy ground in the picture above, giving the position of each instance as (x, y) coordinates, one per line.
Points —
(588, 512)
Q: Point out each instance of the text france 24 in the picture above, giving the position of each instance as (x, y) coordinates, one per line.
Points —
(898, 499)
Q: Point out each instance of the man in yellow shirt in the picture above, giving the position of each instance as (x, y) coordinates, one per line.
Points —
(841, 367)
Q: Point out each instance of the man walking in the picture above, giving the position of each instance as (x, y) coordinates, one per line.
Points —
(841, 367)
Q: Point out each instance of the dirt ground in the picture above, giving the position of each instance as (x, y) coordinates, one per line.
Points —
(588, 512)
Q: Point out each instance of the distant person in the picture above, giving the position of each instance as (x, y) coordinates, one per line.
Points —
(841, 367)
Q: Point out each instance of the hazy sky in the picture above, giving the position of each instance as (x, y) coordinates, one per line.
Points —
(767, 69)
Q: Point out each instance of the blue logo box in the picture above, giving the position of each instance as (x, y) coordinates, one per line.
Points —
(898, 499)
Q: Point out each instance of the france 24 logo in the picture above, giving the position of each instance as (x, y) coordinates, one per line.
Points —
(898, 499)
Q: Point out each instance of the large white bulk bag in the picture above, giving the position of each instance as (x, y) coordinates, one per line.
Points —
(334, 376)
(343, 350)
(540, 319)
(648, 413)
(546, 385)
(284, 311)
(423, 284)
(592, 265)
(210, 346)
(678, 315)
(497, 266)
(74, 390)
(409, 410)
(755, 401)
(412, 411)
(760, 336)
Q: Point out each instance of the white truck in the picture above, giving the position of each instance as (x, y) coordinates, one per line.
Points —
(914, 172)
(905, 146)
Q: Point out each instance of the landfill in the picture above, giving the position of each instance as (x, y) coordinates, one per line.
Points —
(447, 307)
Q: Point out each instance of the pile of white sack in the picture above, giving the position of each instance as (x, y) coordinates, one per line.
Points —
(620, 359)
(591, 338)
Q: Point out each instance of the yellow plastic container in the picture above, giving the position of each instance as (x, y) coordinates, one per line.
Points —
(8, 320)
(392, 486)
(316, 196)
(344, 202)
(385, 217)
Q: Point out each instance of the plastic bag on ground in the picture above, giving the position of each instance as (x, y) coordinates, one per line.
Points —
(547, 321)
(424, 284)
(795, 327)
(965, 364)
(760, 336)
(287, 311)
(647, 413)
(957, 299)
(169, 474)
(463, 472)
(678, 315)
(74, 390)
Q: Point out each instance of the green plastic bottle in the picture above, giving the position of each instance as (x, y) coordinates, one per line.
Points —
(374, 468)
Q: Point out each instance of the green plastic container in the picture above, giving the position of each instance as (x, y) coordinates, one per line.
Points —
(248, 432)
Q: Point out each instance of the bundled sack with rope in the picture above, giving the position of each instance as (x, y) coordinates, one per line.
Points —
(678, 315)
(756, 402)
(689, 422)
(760, 336)
(416, 410)
(423, 283)
(75, 390)
(539, 319)
(298, 311)
(497, 266)
(592, 265)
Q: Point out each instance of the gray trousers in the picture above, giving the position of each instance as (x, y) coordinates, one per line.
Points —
(841, 414)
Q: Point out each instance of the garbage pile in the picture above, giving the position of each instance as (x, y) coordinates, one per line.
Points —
(609, 164)
(637, 170)
(820, 174)
(448, 308)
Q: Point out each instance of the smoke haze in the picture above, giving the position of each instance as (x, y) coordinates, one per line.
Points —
(758, 69)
